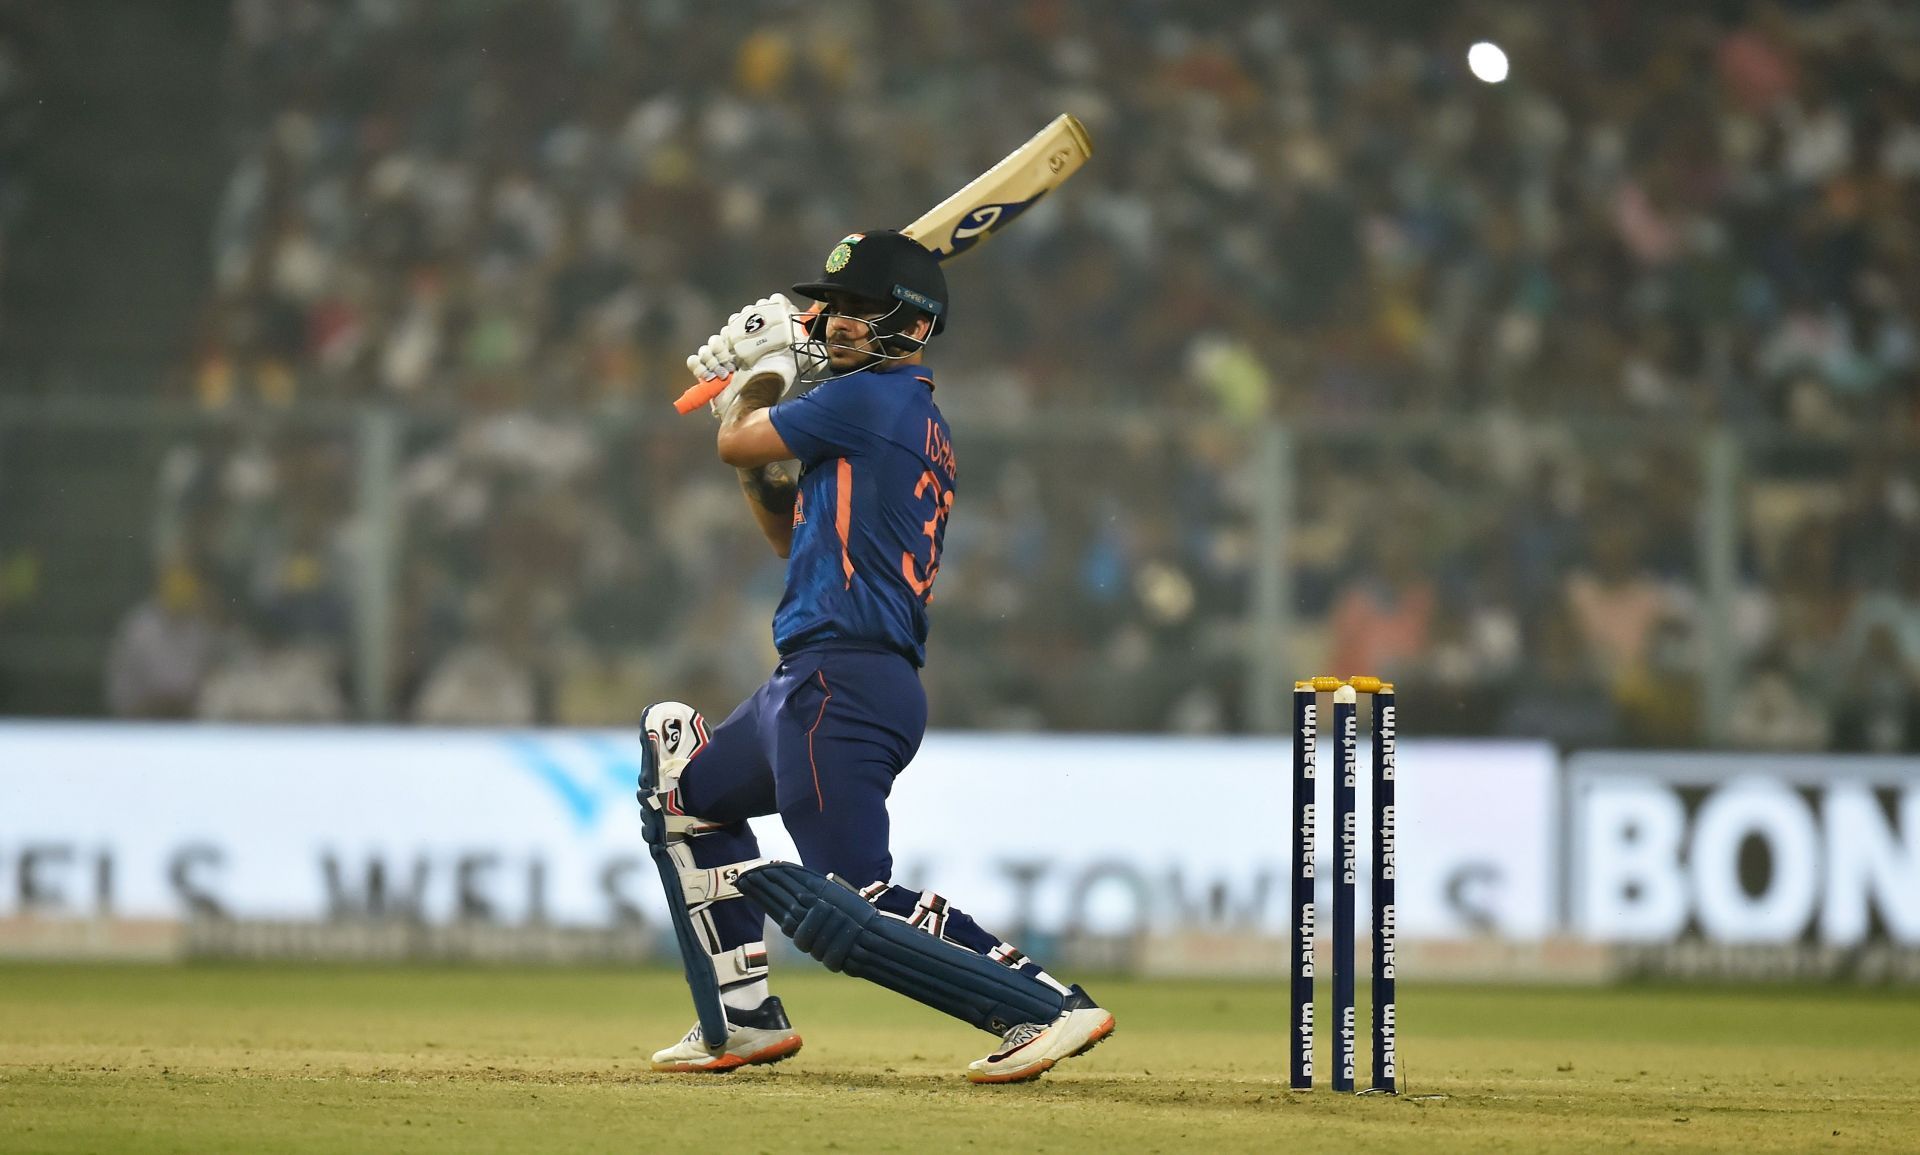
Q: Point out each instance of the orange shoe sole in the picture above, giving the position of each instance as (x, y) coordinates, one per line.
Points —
(786, 1048)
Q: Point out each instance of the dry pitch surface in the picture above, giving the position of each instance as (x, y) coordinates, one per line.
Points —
(202, 1059)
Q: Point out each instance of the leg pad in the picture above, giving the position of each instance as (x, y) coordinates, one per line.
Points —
(844, 932)
(710, 966)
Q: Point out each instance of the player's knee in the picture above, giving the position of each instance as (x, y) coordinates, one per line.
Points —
(675, 731)
(671, 734)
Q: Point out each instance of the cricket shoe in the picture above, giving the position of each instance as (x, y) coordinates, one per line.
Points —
(759, 1036)
(1031, 1049)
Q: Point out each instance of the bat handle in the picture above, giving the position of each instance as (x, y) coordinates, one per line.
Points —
(701, 392)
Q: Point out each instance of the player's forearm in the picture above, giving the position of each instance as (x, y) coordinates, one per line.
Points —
(770, 492)
(770, 495)
(748, 437)
(759, 393)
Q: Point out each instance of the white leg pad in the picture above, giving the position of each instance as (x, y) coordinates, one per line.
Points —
(682, 826)
(743, 964)
(700, 888)
(713, 884)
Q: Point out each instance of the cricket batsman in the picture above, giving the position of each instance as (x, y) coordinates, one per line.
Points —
(844, 712)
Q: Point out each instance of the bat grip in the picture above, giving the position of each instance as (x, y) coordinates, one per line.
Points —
(707, 388)
(701, 392)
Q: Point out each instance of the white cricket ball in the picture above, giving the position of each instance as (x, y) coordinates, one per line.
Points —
(1487, 62)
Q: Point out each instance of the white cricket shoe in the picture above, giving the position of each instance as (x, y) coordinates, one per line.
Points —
(1031, 1049)
(759, 1036)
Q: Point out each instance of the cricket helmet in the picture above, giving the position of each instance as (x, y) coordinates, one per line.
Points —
(887, 266)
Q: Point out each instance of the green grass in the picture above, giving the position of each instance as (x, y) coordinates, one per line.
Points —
(255, 1058)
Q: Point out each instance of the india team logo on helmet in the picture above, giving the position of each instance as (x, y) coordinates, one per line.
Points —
(841, 254)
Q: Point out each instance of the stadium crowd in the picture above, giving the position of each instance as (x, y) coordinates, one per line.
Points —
(21, 36)
(1503, 317)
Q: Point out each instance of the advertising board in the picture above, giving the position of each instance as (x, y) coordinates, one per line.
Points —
(1765, 866)
(1103, 835)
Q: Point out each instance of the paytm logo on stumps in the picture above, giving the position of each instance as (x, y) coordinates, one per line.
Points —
(587, 775)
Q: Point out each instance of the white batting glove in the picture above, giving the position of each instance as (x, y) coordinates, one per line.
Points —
(761, 337)
(763, 328)
(711, 360)
(713, 365)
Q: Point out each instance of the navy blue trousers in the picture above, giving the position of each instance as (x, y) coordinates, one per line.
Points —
(820, 745)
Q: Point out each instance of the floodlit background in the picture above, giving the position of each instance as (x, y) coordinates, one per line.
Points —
(1559, 362)
(338, 338)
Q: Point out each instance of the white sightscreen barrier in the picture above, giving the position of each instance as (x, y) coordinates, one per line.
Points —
(1104, 834)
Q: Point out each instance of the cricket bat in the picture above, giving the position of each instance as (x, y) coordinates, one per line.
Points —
(987, 204)
(990, 201)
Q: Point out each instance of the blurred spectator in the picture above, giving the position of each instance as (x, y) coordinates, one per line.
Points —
(479, 685)
(22, 33)
(1564, 699)
(1496, 319)
(19, 589)
(1382, 622)
(490, 680)
(268, 675)
(19, 579)
(1659, 695)
(163, 649)
(556, 191)
(604, 688)
(1616, 604)
(1773, 713)
(1878, 703)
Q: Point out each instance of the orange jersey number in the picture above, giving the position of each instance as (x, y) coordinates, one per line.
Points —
(922, 579)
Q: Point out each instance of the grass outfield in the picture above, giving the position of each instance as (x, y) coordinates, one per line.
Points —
(259, 1058)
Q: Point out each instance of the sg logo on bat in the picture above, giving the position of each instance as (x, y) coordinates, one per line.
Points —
(980, 220)
(977, 224)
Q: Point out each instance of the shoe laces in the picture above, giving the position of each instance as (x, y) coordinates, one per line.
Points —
(1020, 1036)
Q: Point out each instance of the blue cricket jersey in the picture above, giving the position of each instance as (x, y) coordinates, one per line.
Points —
(876, 485)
